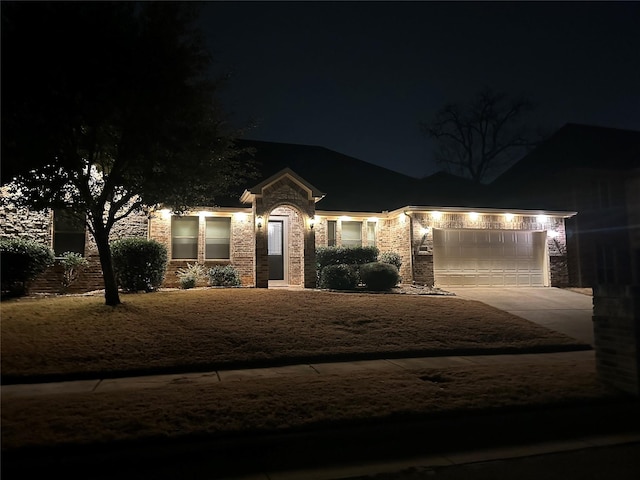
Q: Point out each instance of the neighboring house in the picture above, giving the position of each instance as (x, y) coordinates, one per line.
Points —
(596, 172)
(309, 197)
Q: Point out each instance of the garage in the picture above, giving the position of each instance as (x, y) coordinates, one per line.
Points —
(489, 258)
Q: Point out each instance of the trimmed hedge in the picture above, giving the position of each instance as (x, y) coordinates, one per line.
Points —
(139, 264)
(345, 256)
(21, 261)
(392, 258)
(224, 276)
(379, 276)
(339, 277)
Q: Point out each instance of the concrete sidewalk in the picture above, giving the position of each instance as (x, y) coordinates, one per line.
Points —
(384, 365)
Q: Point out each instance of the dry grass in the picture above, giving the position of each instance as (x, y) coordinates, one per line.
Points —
(214, 328)
(287, 404)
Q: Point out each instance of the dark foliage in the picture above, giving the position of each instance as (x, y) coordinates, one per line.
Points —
(224, 276)
(339, 277)
(139, 264)
(21, 261)
(379, 276)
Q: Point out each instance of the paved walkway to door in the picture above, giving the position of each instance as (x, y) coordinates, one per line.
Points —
(554, 308)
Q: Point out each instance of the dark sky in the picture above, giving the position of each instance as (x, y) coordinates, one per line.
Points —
(357, 77)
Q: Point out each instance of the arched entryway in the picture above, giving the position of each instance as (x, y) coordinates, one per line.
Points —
(284, 209)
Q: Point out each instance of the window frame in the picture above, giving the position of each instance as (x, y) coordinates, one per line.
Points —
(227, 221)
(78, 232)
(196, 237)
(352, 243)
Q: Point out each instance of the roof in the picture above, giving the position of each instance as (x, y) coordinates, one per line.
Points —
(573, 148)
(349, 184)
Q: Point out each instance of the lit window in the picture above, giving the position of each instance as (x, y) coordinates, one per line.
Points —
(351, 234)
(217, 238)
(68, 232)
(184, 237)
(371, 234)
(331, 233)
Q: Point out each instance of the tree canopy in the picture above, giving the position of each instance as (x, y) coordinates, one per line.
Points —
(108, 108)
(482, 137)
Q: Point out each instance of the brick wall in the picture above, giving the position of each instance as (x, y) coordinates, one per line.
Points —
(21, 222)
(241, 248)
(616, 321)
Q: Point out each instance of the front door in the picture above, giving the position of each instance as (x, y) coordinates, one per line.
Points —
(276, 250)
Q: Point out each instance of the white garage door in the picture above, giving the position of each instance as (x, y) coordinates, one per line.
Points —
(488, 258)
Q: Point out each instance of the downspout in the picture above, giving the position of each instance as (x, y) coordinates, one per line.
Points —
(411, 245)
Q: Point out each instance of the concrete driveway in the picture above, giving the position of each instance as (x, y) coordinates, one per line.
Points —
(554, 308)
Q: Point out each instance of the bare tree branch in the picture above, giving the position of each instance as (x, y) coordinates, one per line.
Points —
(481, 137)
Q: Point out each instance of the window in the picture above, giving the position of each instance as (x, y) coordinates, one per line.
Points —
(351, 234)
(68, 232)
(371, 234)
(184, 237)
(331, 233)
(217, 238)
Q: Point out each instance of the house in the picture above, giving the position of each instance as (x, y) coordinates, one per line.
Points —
(594, 171)
(309, 197)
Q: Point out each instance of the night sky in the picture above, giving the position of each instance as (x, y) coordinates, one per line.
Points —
(357, 77)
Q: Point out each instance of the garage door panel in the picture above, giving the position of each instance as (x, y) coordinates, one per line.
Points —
(489, 257)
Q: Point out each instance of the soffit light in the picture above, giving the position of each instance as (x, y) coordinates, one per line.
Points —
(473, 216)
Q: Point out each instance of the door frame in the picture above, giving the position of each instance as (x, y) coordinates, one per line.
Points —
(285, 250)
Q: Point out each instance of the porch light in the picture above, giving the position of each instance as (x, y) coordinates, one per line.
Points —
(166, 213)
(508, 217)
(473, 216)
(312, 222)
(425, 230)
(552, 234)
(259, 221)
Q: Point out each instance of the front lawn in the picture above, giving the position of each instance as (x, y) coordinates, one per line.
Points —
(67, 337)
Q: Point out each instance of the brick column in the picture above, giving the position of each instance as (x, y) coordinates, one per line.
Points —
(616, 321)
(309, 258)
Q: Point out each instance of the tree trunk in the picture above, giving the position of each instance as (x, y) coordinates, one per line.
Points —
(101, 237)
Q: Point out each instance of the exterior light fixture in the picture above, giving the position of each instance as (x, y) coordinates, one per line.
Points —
(508, 217)
(259, 221)
(473, 216)
(166, 213)
(552, 234)
(372, 219)
(425, 230)
(312, 222)
(436, 215)
(542, 218)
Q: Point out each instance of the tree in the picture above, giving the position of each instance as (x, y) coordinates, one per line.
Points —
(108, 108)
(479, 139)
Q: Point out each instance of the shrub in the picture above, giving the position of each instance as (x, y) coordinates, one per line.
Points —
(189, 276)
(224, 276)
(391, 258)
(72, 263)
(345, 256)
(352, 256)
(139, 264)
(339, 277)
(379, 276)
(21, 261)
